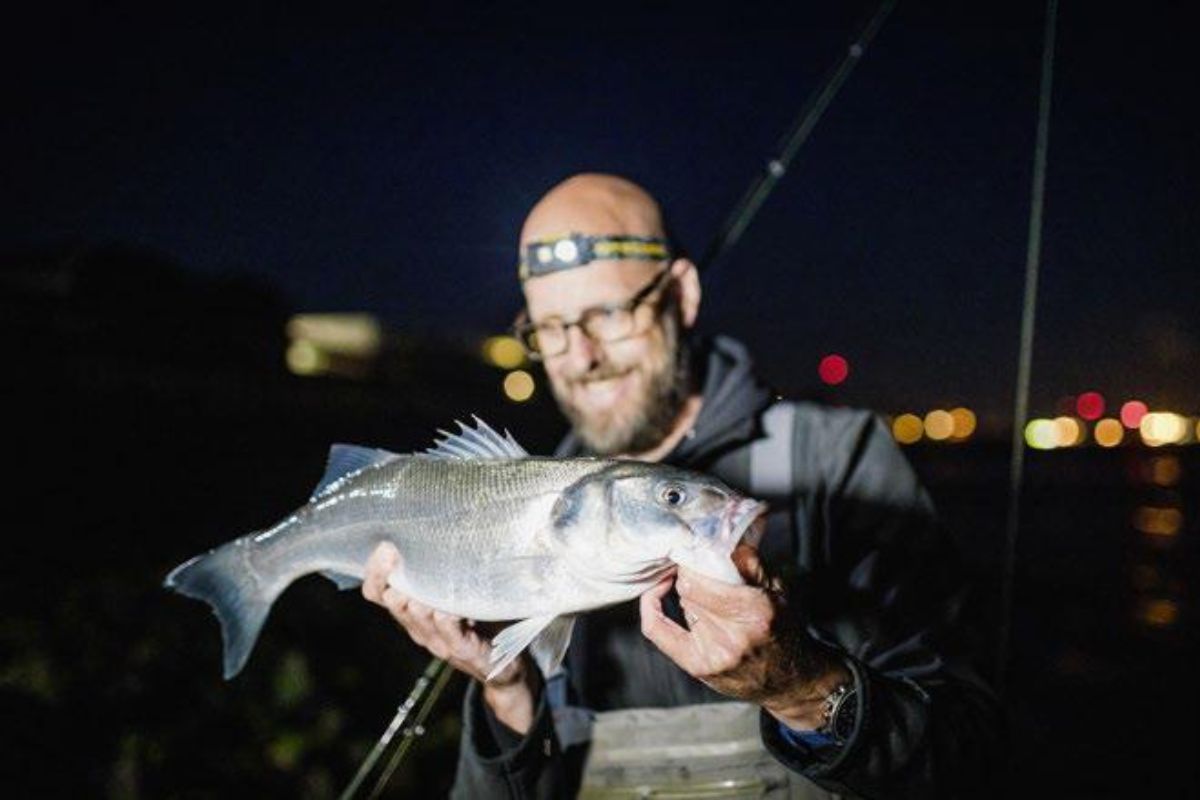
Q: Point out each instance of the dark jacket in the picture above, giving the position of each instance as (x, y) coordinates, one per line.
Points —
(871, 570)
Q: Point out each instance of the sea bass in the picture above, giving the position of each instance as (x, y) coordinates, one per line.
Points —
(485, 532)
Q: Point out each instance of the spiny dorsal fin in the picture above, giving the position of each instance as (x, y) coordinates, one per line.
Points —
(346, 459)
(482, 441)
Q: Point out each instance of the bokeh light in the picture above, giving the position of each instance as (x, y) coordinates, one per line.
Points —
(305, 358)
(964, 423)
(1159, 613)
(833, 369)
(1068, 432)
(1041, 434)
(1090, 406)
(1132, 413)
(503, 351)
(1165, 471)
(939, 425)
(518, 386)
(1157, 521)
(1109, 432)
(907, 428)
(1162, 427)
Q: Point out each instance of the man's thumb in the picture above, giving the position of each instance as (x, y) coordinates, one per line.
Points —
(749, 565)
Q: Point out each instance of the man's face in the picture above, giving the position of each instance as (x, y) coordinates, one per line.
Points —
(623, 396)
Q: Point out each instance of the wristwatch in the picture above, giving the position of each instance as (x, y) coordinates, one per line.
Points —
(841, 712)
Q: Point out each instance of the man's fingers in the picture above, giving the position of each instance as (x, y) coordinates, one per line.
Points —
(459, 641)
(384, 558)
(722, 599)
(395, 602)
(674, 641)
(749, 565)
(417, 619)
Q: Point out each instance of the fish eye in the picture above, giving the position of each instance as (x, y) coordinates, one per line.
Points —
(672, 494)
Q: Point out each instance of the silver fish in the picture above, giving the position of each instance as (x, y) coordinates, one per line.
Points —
(485, 532)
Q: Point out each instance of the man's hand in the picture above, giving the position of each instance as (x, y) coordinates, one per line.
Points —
(510, 694)
(742, 642)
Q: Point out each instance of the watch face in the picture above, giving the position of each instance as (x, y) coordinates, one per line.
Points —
(842, 724)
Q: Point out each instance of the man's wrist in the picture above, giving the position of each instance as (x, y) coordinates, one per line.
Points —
(513, 703)
(803, 707)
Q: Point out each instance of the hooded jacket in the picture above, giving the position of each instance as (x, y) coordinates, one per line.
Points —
(871, 571)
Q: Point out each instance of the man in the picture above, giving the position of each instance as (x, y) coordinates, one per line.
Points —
(853, 675)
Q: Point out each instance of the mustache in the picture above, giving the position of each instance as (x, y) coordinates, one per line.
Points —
(600, 373)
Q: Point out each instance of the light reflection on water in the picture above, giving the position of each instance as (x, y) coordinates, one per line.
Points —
(1104, 647)
(1158, 590)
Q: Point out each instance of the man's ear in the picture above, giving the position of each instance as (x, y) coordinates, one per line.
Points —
(688, 276)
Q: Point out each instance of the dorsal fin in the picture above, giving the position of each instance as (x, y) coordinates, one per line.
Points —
(482, 441)
(345, 459)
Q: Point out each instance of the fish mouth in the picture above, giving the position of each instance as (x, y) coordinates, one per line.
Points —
(745, 520)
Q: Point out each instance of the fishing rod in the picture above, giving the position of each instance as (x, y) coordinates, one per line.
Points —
(433, 680)
(1025, 353)
(776, 167)
(425, 691)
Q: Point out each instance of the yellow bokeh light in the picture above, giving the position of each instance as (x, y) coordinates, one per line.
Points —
(503, 351)
(1109, 432)
(353, 334)
(1156, 521)
(1041, 434)
(305, 358)
(964, 423)
(1165, 471)
(907, 428)
(518, 386)
(939, 425)
(1159, 613)
(1068, 432)
(1161, 427)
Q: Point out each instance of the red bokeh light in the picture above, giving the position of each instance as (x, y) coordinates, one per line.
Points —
(833, 369)
(1090, 405)
(1132, 413)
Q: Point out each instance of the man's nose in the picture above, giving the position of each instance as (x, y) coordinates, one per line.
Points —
(582, 351)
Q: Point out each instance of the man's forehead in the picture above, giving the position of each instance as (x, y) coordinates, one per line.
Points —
(567, 293)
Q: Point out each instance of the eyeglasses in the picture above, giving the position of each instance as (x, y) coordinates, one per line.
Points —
(607, 323)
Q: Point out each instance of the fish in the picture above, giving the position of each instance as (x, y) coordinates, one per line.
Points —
(486, 532)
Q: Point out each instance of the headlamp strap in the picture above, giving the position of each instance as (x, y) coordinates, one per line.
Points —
(543, 256)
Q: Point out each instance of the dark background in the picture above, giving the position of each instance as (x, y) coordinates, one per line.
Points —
(178, 182)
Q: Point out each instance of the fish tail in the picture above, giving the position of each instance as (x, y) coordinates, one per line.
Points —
(225, 579)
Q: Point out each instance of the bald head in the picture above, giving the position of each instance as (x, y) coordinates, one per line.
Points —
(596, 205)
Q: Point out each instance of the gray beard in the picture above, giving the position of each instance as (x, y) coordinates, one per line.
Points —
(657, 408)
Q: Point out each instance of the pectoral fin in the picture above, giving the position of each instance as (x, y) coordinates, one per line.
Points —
(546, 637)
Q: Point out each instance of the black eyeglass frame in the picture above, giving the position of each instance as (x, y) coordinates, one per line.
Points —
(523, 329)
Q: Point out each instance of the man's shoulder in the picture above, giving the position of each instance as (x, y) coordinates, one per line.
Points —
(829, 422)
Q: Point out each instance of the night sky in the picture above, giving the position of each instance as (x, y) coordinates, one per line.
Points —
(383, 159)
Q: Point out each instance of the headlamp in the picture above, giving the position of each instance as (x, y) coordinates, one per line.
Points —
(543, 256)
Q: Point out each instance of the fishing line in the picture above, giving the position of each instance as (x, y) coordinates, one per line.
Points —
(810, 114)
(1025, 356)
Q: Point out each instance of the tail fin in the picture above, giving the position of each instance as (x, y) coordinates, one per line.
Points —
(224, 579)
